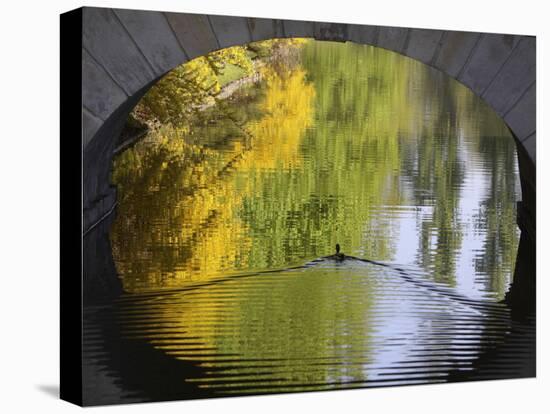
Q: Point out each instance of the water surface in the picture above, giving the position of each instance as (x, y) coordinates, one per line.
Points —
(220, 229)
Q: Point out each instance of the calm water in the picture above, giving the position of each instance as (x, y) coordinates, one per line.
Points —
(221, 229)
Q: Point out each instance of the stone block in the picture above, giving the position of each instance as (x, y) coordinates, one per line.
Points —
(517, 74)
(90, 125)
(230, 30)
(362, 34)
(392, 38)
(489, 55)
(522, 118)
(100, 94)
(194, 33)
(297, 28)
(154, 37)
(454, 51)
(265, 29)
(335, 32)
(530, 145)
(423, 44)
(109, 43)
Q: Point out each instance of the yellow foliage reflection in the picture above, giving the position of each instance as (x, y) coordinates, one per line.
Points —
(181, 201)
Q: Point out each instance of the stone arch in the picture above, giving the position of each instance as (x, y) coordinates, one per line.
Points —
(124, 52)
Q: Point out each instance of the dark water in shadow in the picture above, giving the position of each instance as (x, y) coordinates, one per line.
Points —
(221, 230)
(327, 325)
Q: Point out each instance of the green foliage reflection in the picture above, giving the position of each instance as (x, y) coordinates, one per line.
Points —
(341, 147)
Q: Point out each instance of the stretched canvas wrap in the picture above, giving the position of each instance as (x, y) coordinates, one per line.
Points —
(256, 206)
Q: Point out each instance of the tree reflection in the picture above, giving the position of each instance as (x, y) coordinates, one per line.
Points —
(326, 150)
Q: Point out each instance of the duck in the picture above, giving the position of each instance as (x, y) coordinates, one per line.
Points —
(339, 256)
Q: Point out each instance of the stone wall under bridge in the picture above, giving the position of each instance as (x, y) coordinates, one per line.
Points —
(124, 52)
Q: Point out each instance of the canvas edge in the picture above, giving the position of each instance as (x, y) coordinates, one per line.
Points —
(70, 124)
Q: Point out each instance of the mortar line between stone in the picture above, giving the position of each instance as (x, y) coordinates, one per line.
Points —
(176, 37)
(109, 74)
(213, 31)
(519, 98)
(467, 62)
(150, 64)
(247, 19)
(275, 28)
(438, 48)
(528, 136)
(92, 113)
(406, 42)
(103, 217)
(501, 67)
(376, 36)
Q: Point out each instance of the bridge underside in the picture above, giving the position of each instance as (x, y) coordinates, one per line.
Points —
(124, 52)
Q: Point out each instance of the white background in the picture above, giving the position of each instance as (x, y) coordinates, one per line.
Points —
(29, 206)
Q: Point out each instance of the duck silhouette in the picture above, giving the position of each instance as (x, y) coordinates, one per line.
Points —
(338, 256)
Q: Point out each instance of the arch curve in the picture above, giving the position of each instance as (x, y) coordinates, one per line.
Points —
(127, 51)
(124, 52)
